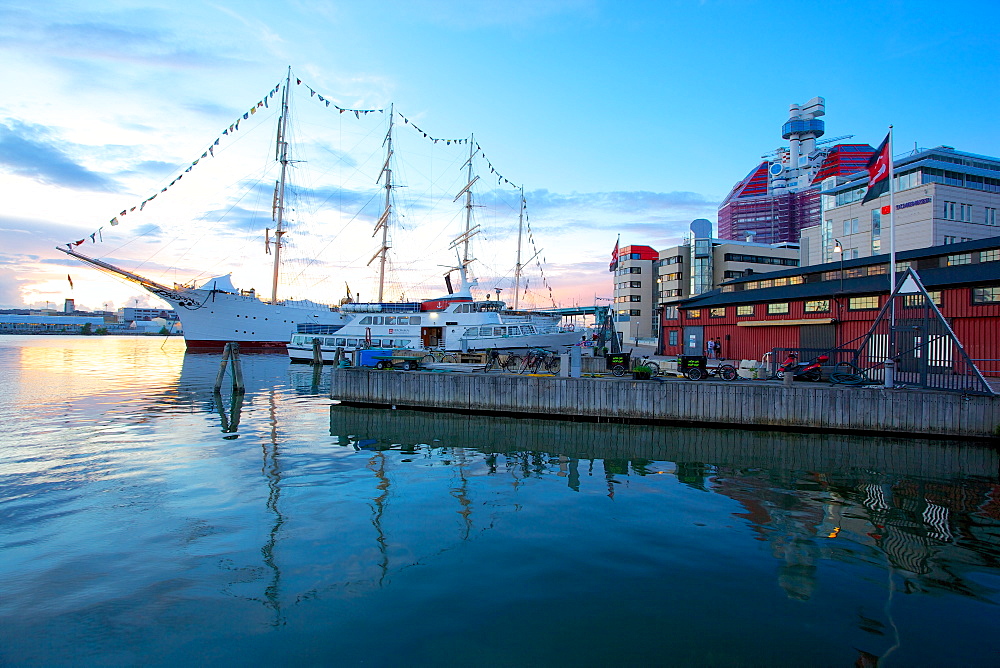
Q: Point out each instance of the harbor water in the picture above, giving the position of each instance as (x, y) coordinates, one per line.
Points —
(146, 520)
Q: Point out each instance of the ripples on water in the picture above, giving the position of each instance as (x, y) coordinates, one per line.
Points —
(144, 520)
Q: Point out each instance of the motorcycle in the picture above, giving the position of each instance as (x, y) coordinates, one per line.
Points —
(811, 371)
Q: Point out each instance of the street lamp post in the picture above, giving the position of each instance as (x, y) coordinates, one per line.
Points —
(837, 248)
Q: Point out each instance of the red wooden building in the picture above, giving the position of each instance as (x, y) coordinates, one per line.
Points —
(833, 305)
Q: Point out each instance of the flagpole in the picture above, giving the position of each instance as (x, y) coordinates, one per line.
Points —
(892, 227)
(890, 365)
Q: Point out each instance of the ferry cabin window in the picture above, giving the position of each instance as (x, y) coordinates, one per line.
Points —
(777, 308)
(672, 337)
(414, 319)
(862, 303)
(367, 320)
(485, 331)
(376, 343)
(514, 331)
(329, 342)
(745, 309)
(341, 342)
(817, 306)
(471, 332)
(352, 342)
(527, 329)
(717, 312)
(990, 295)
(376, 320)
(499, 331)
(390, 320)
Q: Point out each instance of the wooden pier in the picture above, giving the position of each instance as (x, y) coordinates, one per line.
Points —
(804, 406)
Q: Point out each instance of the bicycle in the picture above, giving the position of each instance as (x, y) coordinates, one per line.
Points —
(645, 360)
(723, 371)
(847, 373)
(536, 359)
(508, 362)
(438, 356)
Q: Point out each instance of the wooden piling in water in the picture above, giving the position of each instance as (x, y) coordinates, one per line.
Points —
(317, 358)
(230, 357)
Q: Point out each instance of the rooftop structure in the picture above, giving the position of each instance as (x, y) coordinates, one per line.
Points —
(780, 196)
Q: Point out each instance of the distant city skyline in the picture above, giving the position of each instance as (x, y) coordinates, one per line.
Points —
(630, 120)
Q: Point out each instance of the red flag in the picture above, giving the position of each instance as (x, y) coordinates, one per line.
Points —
(878, 172)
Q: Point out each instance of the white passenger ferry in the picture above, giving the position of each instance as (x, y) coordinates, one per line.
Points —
(454, 323)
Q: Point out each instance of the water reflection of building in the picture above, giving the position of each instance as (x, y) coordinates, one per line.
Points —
(812, 498)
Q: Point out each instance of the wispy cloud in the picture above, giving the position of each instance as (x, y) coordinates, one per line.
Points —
(35, 152)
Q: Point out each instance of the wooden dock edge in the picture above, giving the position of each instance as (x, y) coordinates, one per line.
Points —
(803, 407)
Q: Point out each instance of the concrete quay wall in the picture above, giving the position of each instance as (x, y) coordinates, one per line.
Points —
(802, 406)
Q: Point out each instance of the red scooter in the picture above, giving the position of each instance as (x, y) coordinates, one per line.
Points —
(811, 371)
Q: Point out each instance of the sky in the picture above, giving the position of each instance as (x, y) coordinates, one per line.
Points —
(619, 119)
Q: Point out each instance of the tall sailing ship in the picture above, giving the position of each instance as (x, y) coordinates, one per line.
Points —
(214, 311)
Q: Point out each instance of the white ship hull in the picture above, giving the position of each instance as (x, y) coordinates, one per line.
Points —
(211, 319)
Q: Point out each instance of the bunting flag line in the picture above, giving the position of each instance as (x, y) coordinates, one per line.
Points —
(326, 100)
(448, 142)
(210, 151)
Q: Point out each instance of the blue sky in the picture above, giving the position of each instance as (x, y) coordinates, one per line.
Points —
(626, 118)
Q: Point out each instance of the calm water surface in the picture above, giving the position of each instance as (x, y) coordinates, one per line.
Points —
(144, 521)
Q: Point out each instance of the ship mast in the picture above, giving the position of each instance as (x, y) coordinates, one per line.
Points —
(470, 231)
(281, 154)
(383, 221)
(517, 268)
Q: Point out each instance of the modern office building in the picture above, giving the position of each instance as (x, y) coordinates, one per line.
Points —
(635, 281)
(941, 196)
(647, 281)
(780, 196)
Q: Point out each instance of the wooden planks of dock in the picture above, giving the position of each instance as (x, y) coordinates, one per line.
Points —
(803, 406)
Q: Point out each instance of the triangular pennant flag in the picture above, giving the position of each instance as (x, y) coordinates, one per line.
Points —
(93, 238)
(114, 221)
(265, 103)
(328, 103)
(356, 114)
(312, 93)
(123, 212)
(77, 243)
(253, 110)
(245, 116)
(260, 104)
(226, 131)
(320, 98)
(298, 81)
(133, 208)
(210, 151)
(216, 142)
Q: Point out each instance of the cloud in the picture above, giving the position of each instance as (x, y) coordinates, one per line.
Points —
(31, 151)
(639, 200)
